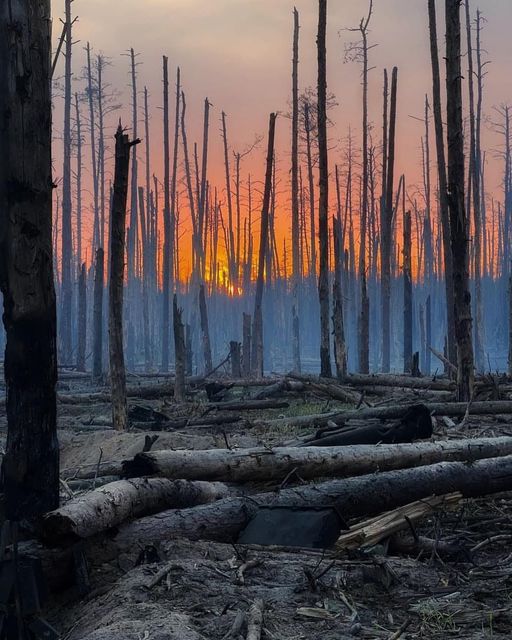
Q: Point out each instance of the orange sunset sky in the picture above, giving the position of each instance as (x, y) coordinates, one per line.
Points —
(238, 53)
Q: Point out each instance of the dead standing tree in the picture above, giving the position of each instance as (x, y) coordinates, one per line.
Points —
(359, 52)
(31, 463)
(442, 178)
(67, 238)
(296, 259)
(257, 332)
(457, 206)
(323, 204)
(117, 250)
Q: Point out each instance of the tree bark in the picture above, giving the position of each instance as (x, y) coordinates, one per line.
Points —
(407, 270)
(443, 187)
(323, 203)
(254, 465)
(179, 350)
(31, 464)
(340, 348)
(97, 346)
(205, 330)
(457, 207)
(257, 333)
(354, 497)
(246, 346)
(234, 356)
(117, 246)
(114, 503)
(82, 320)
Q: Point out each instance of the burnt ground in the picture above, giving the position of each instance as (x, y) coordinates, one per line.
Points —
(200, 591)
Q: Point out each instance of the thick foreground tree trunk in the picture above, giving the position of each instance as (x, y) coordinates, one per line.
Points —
(114, 503)
(252, 465)
(459, 226)
(31, 464)
(354, 497)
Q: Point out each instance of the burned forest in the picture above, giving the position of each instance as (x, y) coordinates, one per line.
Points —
(256, 349)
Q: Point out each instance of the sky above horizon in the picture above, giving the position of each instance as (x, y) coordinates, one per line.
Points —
(238, 54)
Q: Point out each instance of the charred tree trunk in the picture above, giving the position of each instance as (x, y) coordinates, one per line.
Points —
(246, 346)
(387, 231)
(30, 466)
(96, 242)
(205, 330)
(443, 187)
(82, 320)
(97, 336)
(323, 204)
(257, 332)
(234, 356)
(117, 247)
(67, 237)
(407, 269)
(457, 207)
(296, 239)
(179, 349)
(340, 349)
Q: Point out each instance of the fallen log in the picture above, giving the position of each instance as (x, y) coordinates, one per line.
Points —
(265, 464)
(415, 424)
(111, 505)
(354, 497)
(452, 409)
(390, 380)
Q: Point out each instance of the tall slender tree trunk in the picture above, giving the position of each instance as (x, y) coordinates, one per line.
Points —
(311, 189)
(30, 466)
(67, 236)
(387, 230)
(407, 270)
(257, 333)
(167, 264)
(340, 348)
(82, 320)
(323, 204)
(97, 336)
(78, 182)
(180, 351)
(96, 243)
(443, 187)
(205, 330)
(117, 247)
(456, 204)
(295, 161)
(474, 178)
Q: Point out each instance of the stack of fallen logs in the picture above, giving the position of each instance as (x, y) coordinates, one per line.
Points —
(214, 494)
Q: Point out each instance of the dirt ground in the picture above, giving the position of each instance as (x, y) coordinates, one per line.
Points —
(197, 590)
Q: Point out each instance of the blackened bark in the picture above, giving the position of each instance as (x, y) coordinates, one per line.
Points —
(97, 336)
(82, 320)
(246, 345)
(117, 247)
(205, 330)
(257, 333)
(323, 204)
(31, 463)
(407, 270)
(457, 206)
(179, 349)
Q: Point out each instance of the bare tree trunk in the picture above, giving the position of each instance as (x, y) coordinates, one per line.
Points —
(205, 330)
(230, 249)
(179, 348)
(167, 264)
(387, 231)
(117, 245)
(340, 349)
(296, 239)
(96, 243)
(203, 191)
(364, 316)
(456, 204)
(323, 204)
(257, 333)
(30, 467)
(246, 346)
(311, 188)
(234, 356)
(78, 124)
(407, 269)
(443, 187)
(510, 325)
(97, 336)
(67, 237)
(474, 178)
(144, 260)
(82, 320)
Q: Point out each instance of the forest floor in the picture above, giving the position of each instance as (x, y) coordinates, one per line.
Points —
(306, 594)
